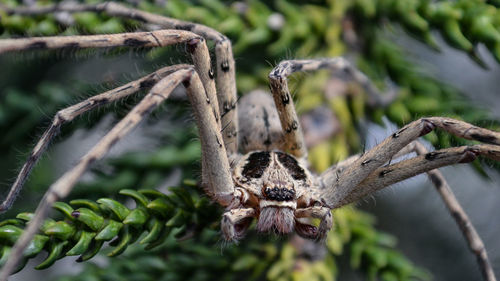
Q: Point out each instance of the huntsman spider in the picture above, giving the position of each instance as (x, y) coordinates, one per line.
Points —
(254, 159)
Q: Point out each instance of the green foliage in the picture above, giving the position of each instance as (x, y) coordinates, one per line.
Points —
(261, 32)
(86, 225)
(164, 220)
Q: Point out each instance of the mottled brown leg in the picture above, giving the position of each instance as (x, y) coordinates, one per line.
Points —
(226, 81)
(209, 132)
(407, 169)
(68, 114)
(338, 187)
(294, 140)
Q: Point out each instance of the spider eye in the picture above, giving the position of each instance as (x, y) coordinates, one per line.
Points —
(279, 194)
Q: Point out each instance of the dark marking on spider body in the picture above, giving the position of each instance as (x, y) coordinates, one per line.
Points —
(433, 155)
(267, 125)
(148, 83)
(436, 181)
(427, 127)
(72, 45)
(193, 44)
(132, 42)
(156, 39)
(324, 65)
(296, 67)
(384, 172)
(187, 27)
(285, 99)
(225, 66)
(123, 89)
(366, 162)
(186, 83)
(101, 101)
(257, 163)
(396, 134)
(37, 45)
(484, 138)
(291, 164)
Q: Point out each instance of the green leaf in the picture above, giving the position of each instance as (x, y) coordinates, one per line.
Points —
(110, 231)
(89, 218)
(116, 207)
(82, 245)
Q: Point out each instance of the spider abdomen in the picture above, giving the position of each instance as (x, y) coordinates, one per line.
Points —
(260, 127)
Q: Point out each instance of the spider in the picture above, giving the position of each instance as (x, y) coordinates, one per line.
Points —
(254, 159)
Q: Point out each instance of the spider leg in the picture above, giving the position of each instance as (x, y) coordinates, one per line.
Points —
(63, 186)
(339, 167)
(476, 245)
(428, 162)
(68, 114)
(226, 81)
(294, 139)
(159, 38)
(391, 174)
(235, 222)
(218, 173)
(319, 212)
(336, 190)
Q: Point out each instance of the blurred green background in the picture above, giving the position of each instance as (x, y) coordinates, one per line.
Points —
(441, 56)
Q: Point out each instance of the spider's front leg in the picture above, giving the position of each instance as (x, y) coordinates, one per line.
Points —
(339, 189)
(68, 114)
(225, 78)
(63, 186)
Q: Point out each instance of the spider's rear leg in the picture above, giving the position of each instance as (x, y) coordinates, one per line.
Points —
(159, 38)
(218, 173)
(226, 82)
(68, 114)
(63, 186)
(338, 188)
(294, 139)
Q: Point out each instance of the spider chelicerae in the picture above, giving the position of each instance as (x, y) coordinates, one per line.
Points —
(254, 159)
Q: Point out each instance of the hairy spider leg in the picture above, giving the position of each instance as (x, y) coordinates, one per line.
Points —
(294, 139)
(217, 177)
(225, 77)
(337, 188)
(209, 129)
(68, 114)
(159, 38)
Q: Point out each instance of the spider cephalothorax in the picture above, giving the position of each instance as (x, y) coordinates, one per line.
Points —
(254, 157)
(278, 188)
